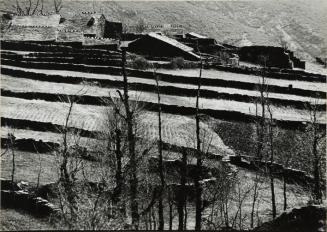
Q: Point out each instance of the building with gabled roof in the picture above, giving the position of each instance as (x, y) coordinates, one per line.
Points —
(158, 45)
(91, 24)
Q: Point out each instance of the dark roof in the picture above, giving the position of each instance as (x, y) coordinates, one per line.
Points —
(170, 41)
(141, 46)
(174, 43)
(27, 33)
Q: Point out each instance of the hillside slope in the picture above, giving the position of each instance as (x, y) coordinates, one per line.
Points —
(300, 23)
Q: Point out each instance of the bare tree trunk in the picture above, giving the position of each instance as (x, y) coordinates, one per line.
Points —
(36, 6)
(154, 220)
(316, 174)
(185, 216)
(161, 172)
(119, 178)
(198, 188)
(284, 191)
(253, 205)
(182, 192)
(260, 131)
(131, 148)
(39, 171)
(12, 144)
(170, 211)
(65, 176)
(272, 185)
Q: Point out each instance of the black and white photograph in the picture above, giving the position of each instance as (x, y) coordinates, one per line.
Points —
(163, 115)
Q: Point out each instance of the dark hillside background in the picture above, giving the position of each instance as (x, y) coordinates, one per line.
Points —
(301, 23)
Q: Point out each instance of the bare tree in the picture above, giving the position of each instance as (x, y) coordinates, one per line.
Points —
(141, 26)
(260, 123)
(131, 146)
(27, 8)
(198, 188)
(317, 136)
(57, 6)
(181, 191)
(161, 171)
(271, 125)
(11, 145)
(67, 177)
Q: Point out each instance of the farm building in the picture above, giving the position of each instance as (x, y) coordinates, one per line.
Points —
(158, 45)
(32, 28)
(276, 56)
(200, 42)
(92, 25)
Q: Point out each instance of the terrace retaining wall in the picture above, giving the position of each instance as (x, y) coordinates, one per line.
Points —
(171, 109)
(169, 90)
(276, 73)
(149, 75)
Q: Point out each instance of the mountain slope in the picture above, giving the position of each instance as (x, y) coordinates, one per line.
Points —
(300, 23)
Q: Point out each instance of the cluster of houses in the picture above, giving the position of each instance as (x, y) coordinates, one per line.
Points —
(54, 28)
(91, 28)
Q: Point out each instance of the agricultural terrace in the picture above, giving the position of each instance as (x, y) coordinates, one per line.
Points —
(34, 87)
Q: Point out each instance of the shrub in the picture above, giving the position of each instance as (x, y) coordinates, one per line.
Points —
(139, 62)
(177, 62)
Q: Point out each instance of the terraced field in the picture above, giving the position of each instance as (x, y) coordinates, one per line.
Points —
(177, 130)
(33, 94)
(33, 107)
(29, 85)
(214, 74)
(247, 108)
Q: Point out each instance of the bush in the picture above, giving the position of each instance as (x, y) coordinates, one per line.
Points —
(139, 62)
(177, 62)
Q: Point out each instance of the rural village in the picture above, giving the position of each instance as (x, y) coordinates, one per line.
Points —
(109, 126)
